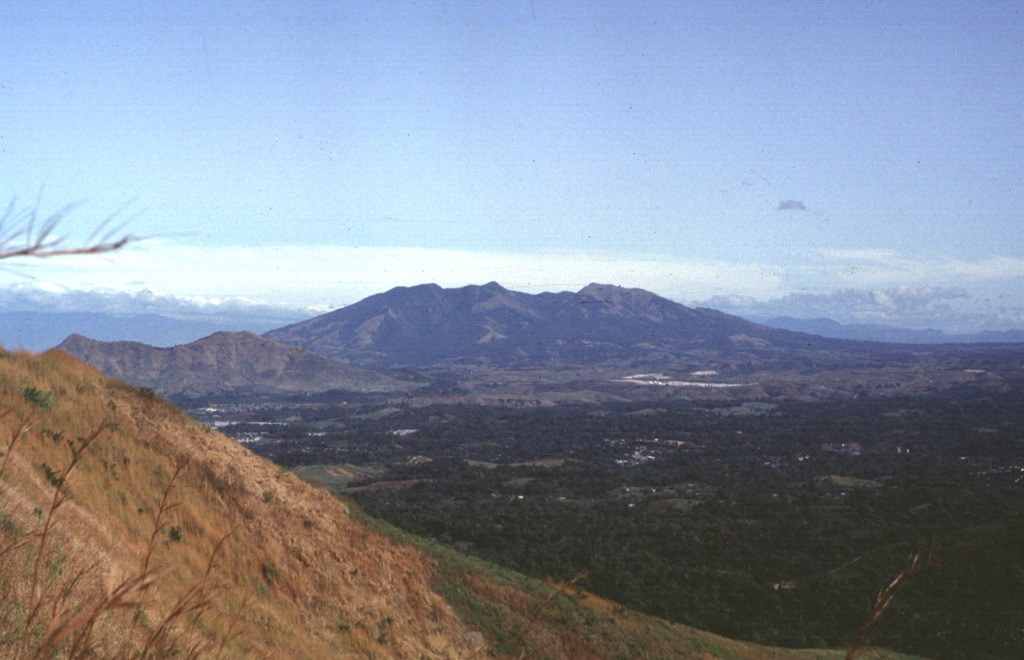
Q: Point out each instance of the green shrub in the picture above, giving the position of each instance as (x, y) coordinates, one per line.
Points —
(51, 475)
(270, 572)
(42, 399)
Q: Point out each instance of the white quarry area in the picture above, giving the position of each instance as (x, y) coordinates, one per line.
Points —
(666, 381)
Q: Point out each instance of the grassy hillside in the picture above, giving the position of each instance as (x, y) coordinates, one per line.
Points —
(167, 539)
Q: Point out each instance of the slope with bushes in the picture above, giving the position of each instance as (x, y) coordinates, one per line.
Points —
(128, 530)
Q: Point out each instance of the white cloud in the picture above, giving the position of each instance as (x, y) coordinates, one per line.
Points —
(849, 285)
(30, 297)
(330, 276)
(861, 254)
(882, 268)
(952, 309)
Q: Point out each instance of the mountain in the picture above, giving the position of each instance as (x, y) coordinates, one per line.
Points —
(38, 331)
(225, 362)
(129, 530)
(428, 325)
(885, 333)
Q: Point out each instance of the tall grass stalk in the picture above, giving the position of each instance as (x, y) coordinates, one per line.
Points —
(917, 563)
(67, 625)
(58, 499)
(16, 434)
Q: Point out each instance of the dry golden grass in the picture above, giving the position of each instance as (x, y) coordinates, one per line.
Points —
(179, 539)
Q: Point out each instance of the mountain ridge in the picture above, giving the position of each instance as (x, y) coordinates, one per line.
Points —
(488, 324)
(225, 362)
(36, 330)
(878, 332)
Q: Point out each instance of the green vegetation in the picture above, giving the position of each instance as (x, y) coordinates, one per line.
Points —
(336, 478)
(777, 527)
(528, 617)
(42, 399)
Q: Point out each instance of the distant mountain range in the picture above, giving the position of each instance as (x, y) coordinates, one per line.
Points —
(225, 362)
(885, 333)
(490, 325)
(38, 331)
(483, 326)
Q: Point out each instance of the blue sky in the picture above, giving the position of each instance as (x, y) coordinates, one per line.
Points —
(799, 157)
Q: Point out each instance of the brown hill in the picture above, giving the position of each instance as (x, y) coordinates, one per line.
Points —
(129, 530)
(225, 362)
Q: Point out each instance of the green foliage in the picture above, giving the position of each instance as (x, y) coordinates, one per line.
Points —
(51, 475)
(36, 396)
(9, 527)
(57, 562)
(271, 573)
(383, 627)
(746, 527)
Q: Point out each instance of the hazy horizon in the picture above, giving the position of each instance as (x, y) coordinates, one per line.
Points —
(37, 320)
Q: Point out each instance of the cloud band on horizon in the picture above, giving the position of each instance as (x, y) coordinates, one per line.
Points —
(324, 277)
